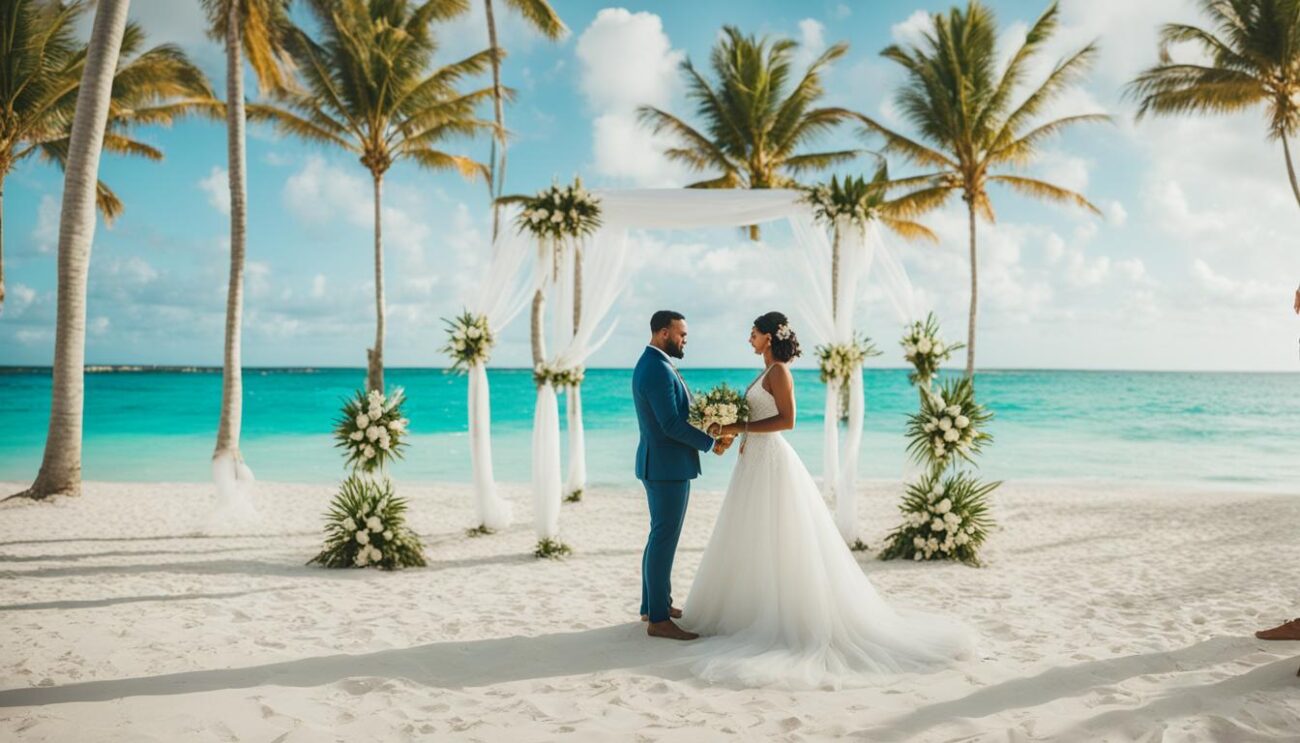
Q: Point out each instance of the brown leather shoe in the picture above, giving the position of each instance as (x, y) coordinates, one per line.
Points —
(1287, 631)
(667, 629)
(673, 613)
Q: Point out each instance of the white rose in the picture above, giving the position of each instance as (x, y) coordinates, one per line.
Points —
(946, 546)
(541, 213)
(356, 435)
(944, 506)
(945, 423)
(349, 524)
(918, 542)
(372, 433)
(557, 217)
(376, 554)
(395, 426)
(928, 428)
(932, 544)
(938, 525)
(934, 421)
(361, 559)
(916, 556)
(363, 420)
(938, 348)
(951, 435)
(939, 450)
(369, 452)
(953, 410)
(962, 421)
(474, 333)
(363, 537)
(388, 535)
(376, 410)
(374, 524)
(924, 345)
(962, 538)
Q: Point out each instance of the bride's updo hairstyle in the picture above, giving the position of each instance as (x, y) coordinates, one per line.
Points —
(785, 344)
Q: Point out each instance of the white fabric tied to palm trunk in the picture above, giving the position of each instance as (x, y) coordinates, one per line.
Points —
(234, 503)
(506, 288)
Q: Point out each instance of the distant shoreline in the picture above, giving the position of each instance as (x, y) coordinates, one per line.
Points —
(198, 369)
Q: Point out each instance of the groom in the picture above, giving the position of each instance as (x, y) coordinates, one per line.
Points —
(667, 459)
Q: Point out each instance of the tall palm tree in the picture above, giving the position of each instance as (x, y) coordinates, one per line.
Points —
(1254, 60)
(961, 105)
(255, 28)
(90, 111)
(40, 80)
(544, 20)
(370, 90)
(755, 122)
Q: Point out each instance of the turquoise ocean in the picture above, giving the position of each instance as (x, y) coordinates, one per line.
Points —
(1202, 430)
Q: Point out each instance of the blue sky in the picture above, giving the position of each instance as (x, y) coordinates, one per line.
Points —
(1192, 267)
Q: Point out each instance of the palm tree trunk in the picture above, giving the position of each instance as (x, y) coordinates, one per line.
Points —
(577, 285)
(1286, 151)
(60, 471)
(496, 174)
(974, 295)
(835, 272)
(538, 340)
(375, 375)
(232, 390)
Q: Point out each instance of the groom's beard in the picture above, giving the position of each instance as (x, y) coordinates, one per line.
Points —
(674, 350)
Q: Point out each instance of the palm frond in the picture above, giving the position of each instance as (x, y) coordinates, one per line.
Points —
(1043, 190)
(542, 17)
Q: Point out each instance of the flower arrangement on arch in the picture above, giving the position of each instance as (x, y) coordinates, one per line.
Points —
(372, 430)
(560, 212)
(839, 361)
(925, 350)
(469, 340)
(559, 378)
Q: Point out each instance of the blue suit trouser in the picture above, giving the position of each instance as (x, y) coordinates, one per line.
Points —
(667, 500)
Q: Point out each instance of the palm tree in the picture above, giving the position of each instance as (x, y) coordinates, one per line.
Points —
(962, 107)
(96, 104)
(370, 91)
(542, 17)
(255, 28)
(40, 81)
(1254, 59)
(754, 122)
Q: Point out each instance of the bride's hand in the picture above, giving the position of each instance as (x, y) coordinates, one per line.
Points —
(714, 430)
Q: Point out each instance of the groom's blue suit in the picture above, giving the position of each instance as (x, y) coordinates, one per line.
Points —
(667, 459)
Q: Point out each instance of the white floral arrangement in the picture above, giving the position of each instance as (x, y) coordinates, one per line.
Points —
(372, 430)
(366, 527)
(560, 212)
(925, 350)
(949, 425)
(559, 378)
(854, 199)
(943, 519)
(840, 361)
(722, 405)
(469, 340)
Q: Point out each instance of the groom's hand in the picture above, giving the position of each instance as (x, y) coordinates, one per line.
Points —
(723, 444)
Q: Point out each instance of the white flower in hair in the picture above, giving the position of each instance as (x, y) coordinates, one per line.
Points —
(783, 332)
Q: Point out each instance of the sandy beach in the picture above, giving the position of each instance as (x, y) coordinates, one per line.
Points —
(1104, 613)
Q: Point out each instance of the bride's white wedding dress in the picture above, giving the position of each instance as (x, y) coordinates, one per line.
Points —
(789, 603)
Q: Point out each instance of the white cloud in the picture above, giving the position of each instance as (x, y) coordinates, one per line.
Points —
(1065, 170)
(912, 30)
(626, 60)
(46, 232)
(1233, 291)
(841, 12)
(812, 42)
(217, 187)
(318, 284)
(98, 325)
(1116, 214)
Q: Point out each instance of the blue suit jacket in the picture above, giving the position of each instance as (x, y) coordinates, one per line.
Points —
(670, 446)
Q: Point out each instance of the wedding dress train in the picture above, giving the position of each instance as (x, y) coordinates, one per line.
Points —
(783, 596)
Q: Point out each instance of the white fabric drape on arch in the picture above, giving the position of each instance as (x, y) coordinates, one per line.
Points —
(505, 290)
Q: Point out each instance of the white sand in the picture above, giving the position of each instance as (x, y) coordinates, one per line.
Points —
(1105, 614)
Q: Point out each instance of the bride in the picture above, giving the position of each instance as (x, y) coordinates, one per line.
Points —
(777, 583)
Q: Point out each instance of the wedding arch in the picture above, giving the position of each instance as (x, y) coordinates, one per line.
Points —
(521, 265)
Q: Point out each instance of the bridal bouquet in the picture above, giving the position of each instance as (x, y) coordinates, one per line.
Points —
(366, 527)
(950, 424)
(469, 340)
(722, 405)
(943, 519)
(371, 430)
(925, 350)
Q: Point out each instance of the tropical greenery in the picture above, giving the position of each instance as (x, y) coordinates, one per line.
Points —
(1252, 53)
(469, 340)
(925, 350)
(944, 518)
(949, 426)
(70, 102)
(366, 527)
(757, 118)
(370, 88)
(371, 430)
(961, 105)
(40, 82)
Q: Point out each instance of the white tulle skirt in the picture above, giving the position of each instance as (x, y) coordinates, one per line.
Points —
(781, 599)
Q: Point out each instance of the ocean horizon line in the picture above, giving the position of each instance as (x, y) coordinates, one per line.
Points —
(101, 368)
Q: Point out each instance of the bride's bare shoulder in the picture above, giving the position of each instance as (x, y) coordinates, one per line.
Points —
(779, 374)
